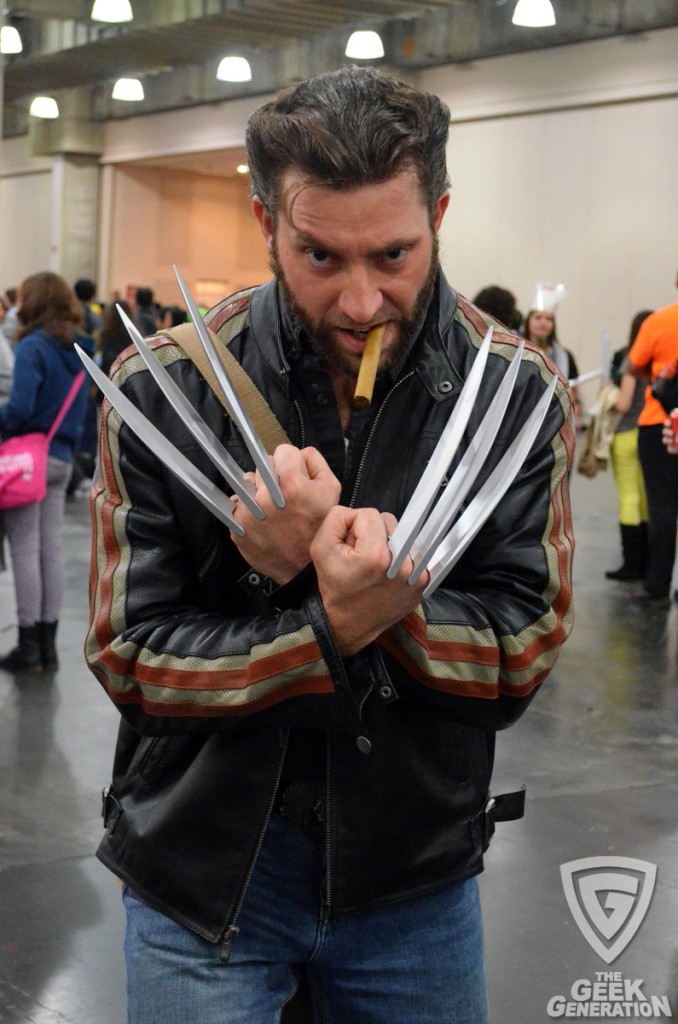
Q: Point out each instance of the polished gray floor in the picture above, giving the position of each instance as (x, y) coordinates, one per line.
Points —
(598, 750)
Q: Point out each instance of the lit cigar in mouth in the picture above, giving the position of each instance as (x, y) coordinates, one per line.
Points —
(369, 365)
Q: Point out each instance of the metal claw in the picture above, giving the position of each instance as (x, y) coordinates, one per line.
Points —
(466, 472)
(425, 492)
(208, 441)
(201, 486)
(256, 449)
(488, 497)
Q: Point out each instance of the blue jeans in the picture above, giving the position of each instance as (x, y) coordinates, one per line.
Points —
(418, 961)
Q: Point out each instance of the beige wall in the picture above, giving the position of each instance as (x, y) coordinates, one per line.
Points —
(25, 213)
(563, 170)
(201, 223)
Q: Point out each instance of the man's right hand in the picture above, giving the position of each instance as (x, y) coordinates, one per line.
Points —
(279, 545)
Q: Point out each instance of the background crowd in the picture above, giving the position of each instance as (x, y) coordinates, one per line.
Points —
(42, 320)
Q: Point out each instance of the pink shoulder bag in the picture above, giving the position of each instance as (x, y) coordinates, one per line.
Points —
(23, 459)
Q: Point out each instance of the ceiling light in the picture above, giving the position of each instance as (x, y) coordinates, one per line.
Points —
(365, 46)
(242, 168)
(44, 106)
(111, 10)
(534, 14)
(234, 69)
(129, 89)
(10, 40)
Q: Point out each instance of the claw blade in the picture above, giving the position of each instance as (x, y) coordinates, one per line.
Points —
(490, 494)
(466, 472)
(218, 503)
(254, 446)
(208, 441)
(417, 508)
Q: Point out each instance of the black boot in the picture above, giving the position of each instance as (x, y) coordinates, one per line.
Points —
(26, 655)
(633, 550)
(48, 654)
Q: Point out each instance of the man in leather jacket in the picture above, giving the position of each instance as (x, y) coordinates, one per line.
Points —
(301, 782)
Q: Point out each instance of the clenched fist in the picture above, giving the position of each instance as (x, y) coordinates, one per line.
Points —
(279, 545)
(351, 557)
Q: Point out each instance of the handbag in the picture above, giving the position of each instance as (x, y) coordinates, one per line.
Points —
(23, 459)
(665, 387)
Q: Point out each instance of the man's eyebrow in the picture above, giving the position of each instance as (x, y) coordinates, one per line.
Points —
(311, 240)
(397, 243)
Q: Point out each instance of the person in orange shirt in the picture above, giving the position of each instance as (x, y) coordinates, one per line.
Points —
(655, 348)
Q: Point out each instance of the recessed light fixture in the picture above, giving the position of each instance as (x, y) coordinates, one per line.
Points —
(128, 89)
(234, 69)
(111, 11)
(365, 45)
(44, 106)
(534, 14)
(10, 40)
(242, 169)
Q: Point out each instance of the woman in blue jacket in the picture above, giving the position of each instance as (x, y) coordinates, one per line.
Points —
(45, 366)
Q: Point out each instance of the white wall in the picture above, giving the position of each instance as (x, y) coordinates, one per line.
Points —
(25, 217)
(563, 169)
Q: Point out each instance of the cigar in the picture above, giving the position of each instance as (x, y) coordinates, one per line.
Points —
(369, 365)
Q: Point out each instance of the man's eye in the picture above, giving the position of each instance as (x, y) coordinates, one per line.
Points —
(318, 257)
(396, 255)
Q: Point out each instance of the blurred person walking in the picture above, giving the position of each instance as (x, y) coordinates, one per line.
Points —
(628, 473)
(45, 368)
(146, 312)
(655, 349)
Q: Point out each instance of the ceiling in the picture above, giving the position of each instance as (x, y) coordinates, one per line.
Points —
(174, 46)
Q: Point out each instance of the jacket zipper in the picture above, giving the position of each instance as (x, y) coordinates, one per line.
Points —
(327, 909)
(328, 832)
(302, 430)
(207, 564)
(232, 929)
(368, 445)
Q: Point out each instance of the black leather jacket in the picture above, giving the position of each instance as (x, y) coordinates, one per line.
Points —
(210, 672)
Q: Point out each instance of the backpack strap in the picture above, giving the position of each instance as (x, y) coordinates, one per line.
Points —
(257, 408)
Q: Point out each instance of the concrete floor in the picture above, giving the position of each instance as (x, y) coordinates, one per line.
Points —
(598, 751)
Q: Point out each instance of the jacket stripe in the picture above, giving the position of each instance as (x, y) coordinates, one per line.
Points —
(477, 662)
(162, 683)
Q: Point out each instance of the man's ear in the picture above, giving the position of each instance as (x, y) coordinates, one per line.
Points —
(439, 211)
(263, 215)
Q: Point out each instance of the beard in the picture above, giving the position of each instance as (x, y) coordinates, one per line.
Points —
(320, 332)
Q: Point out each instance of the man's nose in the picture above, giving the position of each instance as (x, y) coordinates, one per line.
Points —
(360, 298)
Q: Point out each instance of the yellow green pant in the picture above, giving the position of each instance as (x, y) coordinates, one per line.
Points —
(628, 477)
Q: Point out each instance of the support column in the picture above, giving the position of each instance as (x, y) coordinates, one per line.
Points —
(74, 143)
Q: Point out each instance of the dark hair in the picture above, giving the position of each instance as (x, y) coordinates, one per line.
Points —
(144, 297)
(112, 326)
(499, 303)
(84, 289)
(113, 337)
(636, 322)
(176, 313)
(348, 128)
(552, 336)
(46, 300)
